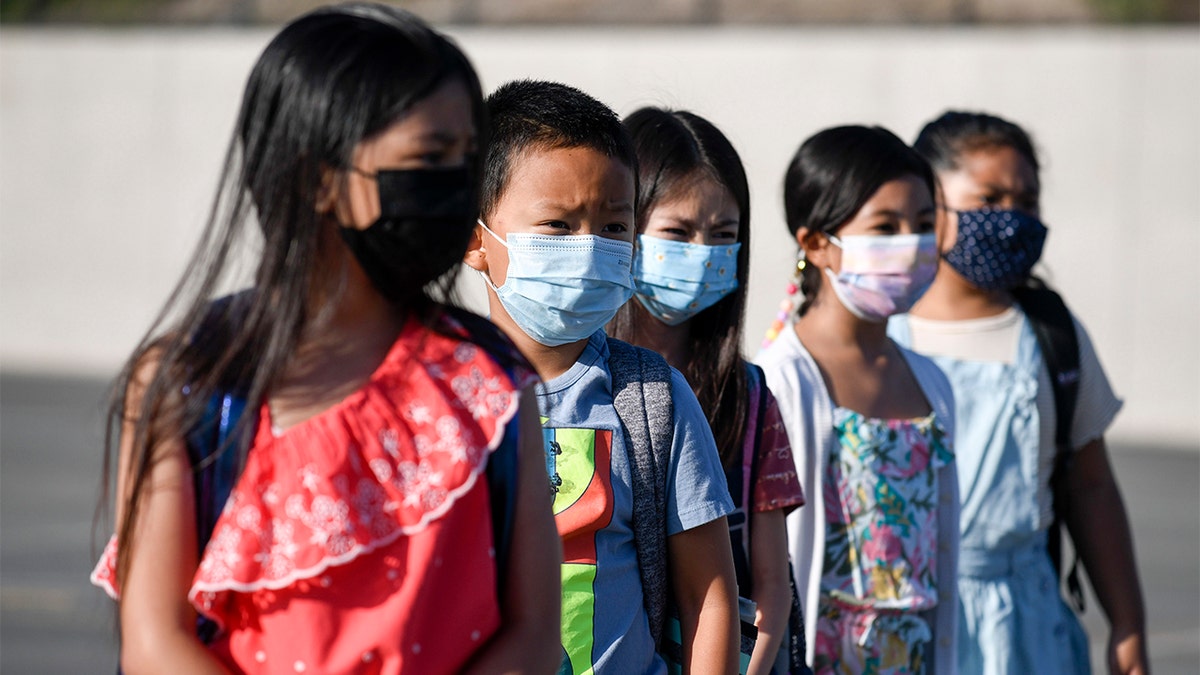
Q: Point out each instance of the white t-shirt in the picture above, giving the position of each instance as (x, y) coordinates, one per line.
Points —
(995, 338)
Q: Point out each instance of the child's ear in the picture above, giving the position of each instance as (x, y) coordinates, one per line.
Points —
(814, 245)
(328, 192)
(476, 255)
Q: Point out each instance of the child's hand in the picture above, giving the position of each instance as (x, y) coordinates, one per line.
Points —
(1127, 653)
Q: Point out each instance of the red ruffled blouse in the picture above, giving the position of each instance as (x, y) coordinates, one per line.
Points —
(360, 540)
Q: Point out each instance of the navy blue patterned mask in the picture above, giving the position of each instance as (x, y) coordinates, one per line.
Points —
(996, 249)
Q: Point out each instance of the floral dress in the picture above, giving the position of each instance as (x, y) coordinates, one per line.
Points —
(359, 541)
(881, 496)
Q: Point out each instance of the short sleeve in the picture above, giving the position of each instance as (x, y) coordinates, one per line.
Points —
(1097, 405)
(777, 485)
(696, 489)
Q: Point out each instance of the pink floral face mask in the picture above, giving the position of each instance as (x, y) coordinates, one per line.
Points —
(883, 275)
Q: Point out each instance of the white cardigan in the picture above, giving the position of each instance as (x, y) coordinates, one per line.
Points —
(807, 410)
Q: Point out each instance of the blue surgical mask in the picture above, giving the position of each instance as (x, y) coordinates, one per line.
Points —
(996, 249)
(561, 289)
(676, 280)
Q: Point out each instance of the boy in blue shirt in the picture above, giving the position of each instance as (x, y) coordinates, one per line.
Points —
(554, 245)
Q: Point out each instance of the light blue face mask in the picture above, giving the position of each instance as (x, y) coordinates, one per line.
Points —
(561, 289)
(676, 280)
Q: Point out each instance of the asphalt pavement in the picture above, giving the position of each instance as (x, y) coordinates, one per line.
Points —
(53, 621)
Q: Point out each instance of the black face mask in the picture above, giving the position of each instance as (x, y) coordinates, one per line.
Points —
(425, 223)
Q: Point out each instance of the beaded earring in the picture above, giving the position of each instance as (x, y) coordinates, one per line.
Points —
(787, 305)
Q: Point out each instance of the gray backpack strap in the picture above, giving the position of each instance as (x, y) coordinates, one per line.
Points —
(641, 385)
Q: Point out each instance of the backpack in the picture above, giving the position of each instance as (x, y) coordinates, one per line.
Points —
(792, 650)
(1055, 331)
(641, 385)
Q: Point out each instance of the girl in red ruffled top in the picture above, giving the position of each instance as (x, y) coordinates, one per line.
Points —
(358, 535)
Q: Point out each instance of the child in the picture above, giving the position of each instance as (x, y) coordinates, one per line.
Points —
(356, 536)
(1013, 445)
(871, 423)
(554, 247)
(690, 273)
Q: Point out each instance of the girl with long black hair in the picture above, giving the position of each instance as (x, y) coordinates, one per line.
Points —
(356, 534)
(690, 272)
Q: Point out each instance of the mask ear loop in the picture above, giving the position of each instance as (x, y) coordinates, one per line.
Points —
(787, 305)
(487, 277)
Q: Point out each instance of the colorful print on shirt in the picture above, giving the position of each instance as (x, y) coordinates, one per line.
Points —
(881, 497)
(579, 463)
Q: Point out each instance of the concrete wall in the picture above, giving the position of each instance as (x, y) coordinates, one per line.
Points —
(110, 144)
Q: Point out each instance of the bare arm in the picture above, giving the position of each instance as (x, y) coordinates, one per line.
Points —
(158, 624)
(702, 576)
(528, 641)
(1099, 527)
(772, 592)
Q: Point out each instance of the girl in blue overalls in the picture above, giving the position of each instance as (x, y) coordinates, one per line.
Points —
(1011, 617)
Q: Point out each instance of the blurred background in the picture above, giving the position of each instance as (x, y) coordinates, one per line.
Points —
(115, 115)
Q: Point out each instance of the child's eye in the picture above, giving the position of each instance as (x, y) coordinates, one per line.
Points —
(885, 228)
(925, 226)
(616, 228)
(724, 235)
(556, 225)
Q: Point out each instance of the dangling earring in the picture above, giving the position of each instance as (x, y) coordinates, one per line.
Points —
(787, 305)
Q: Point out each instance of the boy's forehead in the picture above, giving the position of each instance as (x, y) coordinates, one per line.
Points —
(571, 171)
(544, 152)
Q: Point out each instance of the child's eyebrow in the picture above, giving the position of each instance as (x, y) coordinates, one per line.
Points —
(562, 207)
(443, 137)
(555, 206)
(893, 213)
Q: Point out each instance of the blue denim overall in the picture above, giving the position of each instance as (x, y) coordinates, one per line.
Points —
(1011, 617)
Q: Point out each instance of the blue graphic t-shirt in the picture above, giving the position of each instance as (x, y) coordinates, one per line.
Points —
(604, 625)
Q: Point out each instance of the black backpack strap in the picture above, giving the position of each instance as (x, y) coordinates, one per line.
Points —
(1055, 331)
(217, 442)
(501, 474)
(501, 471)
(212, 449)
(641, 385)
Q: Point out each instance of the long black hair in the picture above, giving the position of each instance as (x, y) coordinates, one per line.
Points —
(328, 81)
(834, 173)
(674, 147)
